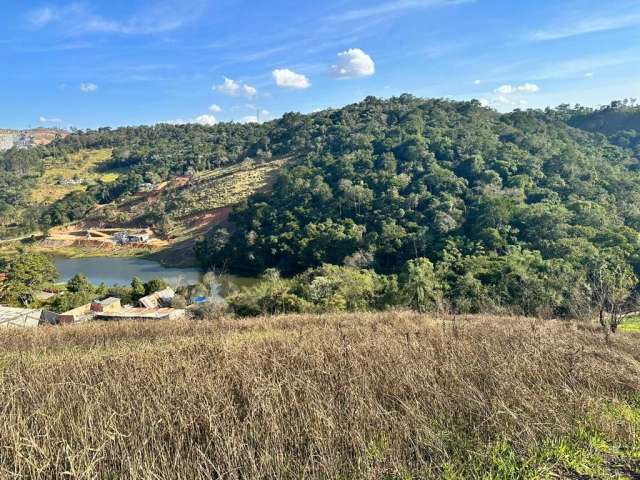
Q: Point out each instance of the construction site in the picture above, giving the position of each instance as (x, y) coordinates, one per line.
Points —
(103, 238)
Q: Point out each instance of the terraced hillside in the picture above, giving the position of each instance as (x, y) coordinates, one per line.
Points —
(173, 211)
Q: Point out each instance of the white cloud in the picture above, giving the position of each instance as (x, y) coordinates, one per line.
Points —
(88, 87)
(510, 96)
(249, 91)
(234, 89)
(208, 120)
(353, 63)
(477, 82)
(44, 119)
(524, 88)
(286, 78)
(528, 88)
(215, 108)
(249, 119)
(589, 75)
(504, 89)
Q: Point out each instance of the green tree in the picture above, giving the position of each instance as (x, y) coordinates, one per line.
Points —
(79, 283)
(420, 285)
(611, 283)
(138, 289)
(154, 285)
(26, 273)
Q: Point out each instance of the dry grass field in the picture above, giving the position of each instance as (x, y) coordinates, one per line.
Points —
(363, 396)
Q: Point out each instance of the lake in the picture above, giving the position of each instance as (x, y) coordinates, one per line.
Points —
(120, 270)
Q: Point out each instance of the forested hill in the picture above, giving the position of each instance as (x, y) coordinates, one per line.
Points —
(619, 121)
(506, 206)
(381, 182)
(617, 117)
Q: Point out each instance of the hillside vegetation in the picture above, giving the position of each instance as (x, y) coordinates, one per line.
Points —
(65, 181)
(386, 396)
(519, 211)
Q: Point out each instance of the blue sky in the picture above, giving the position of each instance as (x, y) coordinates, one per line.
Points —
(128, 62)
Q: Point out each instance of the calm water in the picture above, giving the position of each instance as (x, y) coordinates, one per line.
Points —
(117, 270)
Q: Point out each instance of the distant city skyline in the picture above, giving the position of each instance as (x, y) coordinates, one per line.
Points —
(90, 64)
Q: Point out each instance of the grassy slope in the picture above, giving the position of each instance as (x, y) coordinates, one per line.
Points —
(206, 199)
(77, 166)
(362, 396)
(215, 189)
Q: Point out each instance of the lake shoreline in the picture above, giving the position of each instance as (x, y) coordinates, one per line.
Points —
(120, 270)
(113, 270)
(163, 257)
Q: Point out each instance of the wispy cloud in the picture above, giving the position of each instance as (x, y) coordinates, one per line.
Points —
(585, 66)
(77, 18)
(392, 7)
(60, 47)
(600, 23)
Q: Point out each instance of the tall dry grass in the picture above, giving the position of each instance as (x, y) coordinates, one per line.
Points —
(392, 395)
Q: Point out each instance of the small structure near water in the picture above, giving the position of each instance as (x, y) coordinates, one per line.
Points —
(162, 298)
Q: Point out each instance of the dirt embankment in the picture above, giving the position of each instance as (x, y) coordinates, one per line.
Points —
(84, 235)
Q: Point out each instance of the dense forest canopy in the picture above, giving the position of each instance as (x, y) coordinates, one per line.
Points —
(500, 204)
(383, 182)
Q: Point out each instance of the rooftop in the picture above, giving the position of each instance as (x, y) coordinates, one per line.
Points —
(141, 312)
(108, 301)
(19, 317)
(156, 299)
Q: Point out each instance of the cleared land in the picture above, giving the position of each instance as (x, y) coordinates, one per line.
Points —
(71, 173)
(394, 395)
(226, 186)
(99, 238)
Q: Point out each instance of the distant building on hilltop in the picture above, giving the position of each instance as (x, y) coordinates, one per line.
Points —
(23, 141)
